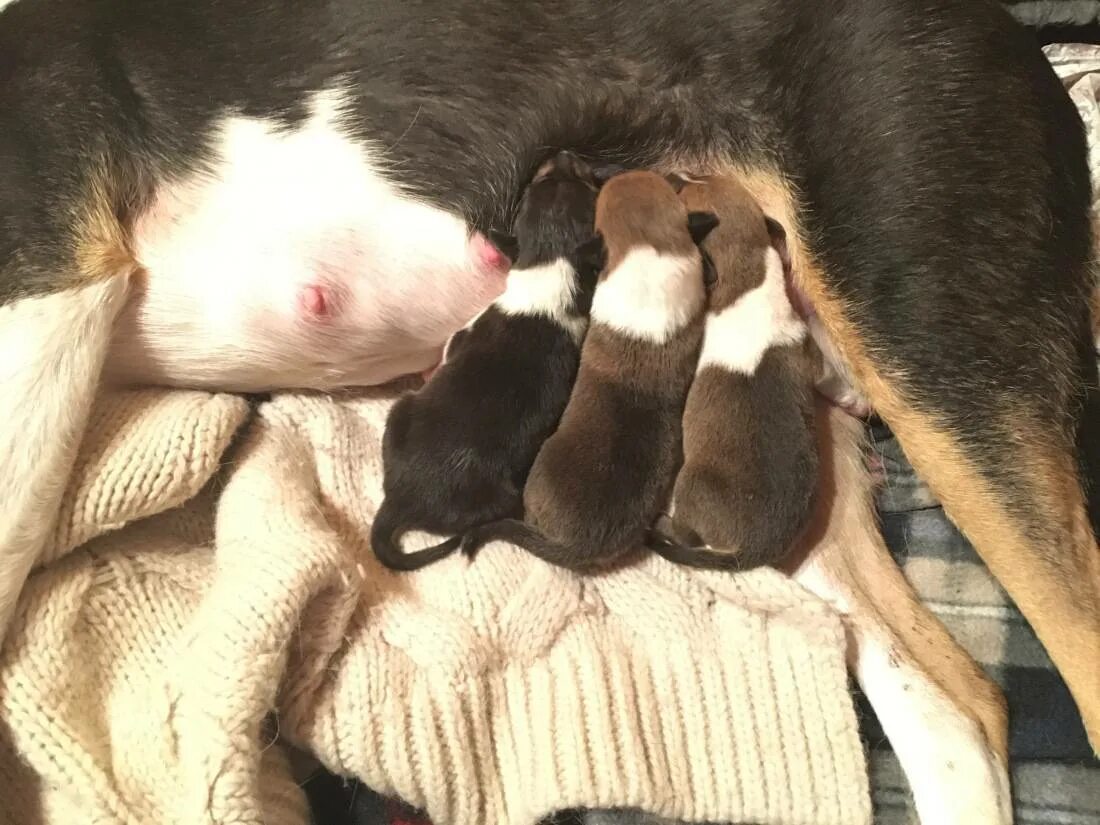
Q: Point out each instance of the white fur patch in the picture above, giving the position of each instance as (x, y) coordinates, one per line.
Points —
(229, 251)
(547, 290)
(954, 776)
(53, 349)
(650, 295)
(738, 336)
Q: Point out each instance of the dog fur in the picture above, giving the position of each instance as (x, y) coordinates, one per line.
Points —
(749, 478)
(926, 162)
(600, 480)
(457, 452)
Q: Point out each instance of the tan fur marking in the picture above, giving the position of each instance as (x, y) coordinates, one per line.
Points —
(1056, 583)
(101, 244)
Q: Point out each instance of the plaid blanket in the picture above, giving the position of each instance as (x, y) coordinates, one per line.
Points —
(1054, 12)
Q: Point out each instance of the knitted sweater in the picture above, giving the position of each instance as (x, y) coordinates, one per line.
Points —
(210, 594)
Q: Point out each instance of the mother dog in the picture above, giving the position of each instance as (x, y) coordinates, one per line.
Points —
(253, 194)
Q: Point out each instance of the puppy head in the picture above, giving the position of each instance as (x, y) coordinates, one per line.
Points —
(556, 213)
(640, 209)
(555, 271)
(738, 247)
(652, 284)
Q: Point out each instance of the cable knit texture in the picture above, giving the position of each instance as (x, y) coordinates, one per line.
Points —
(223, 594)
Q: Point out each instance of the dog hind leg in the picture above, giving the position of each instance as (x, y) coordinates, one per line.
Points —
(951, 270)
(943, 716)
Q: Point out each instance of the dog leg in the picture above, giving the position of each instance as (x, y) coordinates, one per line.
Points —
(983, 365)
(943, 716)
(1015, 482)
(53, 348)
(955, 283)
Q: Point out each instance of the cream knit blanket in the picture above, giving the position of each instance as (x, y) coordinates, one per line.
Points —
(209, 587)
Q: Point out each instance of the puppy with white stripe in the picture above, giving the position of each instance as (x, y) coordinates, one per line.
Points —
(749, 478)
(601, 479)
(457, 452)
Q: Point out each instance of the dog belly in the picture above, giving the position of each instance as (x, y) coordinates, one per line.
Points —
(291, 262)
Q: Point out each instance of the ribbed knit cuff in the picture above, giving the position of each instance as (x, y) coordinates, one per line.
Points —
(747, 721)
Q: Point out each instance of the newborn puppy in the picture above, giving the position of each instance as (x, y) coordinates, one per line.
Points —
(749, 479)
(601, 479)
(457, 452)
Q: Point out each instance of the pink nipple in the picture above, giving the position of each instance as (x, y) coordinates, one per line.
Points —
(487, 255)
(313, 301)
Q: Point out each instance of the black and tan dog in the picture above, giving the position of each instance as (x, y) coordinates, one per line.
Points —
(600, 480)
(274, 193)
(457, 452)
(749, 478)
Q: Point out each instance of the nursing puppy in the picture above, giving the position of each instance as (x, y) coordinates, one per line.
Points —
(747, 485)
(601, 479)
(457, 452)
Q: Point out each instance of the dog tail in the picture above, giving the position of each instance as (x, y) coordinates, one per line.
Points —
(676, 543)
(522, 534)
(385, 541)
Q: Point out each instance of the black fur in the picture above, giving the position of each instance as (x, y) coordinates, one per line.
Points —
(457, 452)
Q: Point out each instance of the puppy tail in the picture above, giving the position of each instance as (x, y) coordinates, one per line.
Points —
(679, 545)
(385, 541)
(53, 346)
(522, 534)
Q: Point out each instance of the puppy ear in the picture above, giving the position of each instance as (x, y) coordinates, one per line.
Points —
(778, 237)
(508, 244)
(701, 224)
(592, 254)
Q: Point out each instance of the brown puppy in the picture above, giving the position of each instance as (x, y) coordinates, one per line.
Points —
(749, 479)
(601, 479)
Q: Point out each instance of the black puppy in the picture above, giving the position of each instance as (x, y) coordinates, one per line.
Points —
(457, 452)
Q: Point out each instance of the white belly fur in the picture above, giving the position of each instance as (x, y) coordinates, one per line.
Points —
(228, 252)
